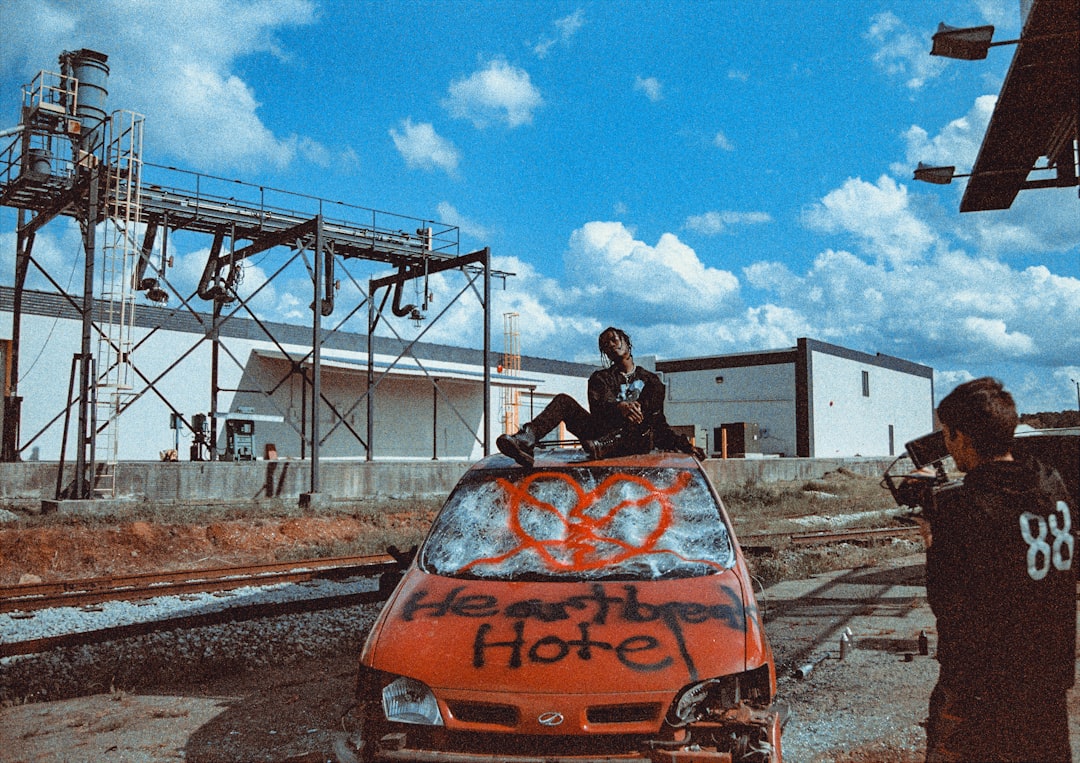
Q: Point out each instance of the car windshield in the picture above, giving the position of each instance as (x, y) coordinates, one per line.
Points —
(580, 524)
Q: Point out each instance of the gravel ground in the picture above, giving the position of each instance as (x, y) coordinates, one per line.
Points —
(142, 661)
(277, 689)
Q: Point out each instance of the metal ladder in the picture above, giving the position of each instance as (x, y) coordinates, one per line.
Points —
(119, 261)
(511, 366)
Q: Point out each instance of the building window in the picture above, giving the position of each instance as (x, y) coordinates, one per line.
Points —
(866, 384)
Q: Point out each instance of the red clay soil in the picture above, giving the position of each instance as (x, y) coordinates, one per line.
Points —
(30, 554)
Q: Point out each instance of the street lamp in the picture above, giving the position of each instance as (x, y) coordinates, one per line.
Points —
(968, 43)
(972, 43)
(944, 175)
(1077, 383)
(936, 175)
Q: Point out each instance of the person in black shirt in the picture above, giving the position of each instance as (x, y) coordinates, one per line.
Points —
(1000, 582)
(626, 411)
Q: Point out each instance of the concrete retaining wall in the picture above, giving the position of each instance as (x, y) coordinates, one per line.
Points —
(28, 484)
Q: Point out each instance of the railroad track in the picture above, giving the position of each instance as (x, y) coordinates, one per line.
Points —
(82, 592)
(23, 601)
(88, 591)
(766, 542)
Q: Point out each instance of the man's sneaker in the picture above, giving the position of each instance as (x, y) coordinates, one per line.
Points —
(518, 446)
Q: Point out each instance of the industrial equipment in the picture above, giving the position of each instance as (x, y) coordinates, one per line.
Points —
(239, 440)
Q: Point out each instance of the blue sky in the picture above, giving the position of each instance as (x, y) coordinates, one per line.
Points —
(713, 176)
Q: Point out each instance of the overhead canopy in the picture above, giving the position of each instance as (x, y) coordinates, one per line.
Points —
(1036, 113)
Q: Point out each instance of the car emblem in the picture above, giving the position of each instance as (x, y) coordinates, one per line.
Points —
(550, 719)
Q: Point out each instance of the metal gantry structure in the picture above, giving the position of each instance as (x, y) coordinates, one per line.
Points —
(69, 158)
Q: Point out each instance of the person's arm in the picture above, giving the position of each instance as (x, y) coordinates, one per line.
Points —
(605, 405)
(603, 397)
(948, 565)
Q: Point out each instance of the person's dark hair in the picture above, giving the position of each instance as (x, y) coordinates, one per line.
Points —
(983, 410)
(622, 335)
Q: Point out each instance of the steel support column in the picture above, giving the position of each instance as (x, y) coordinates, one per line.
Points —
(84, 455)
(316, 351)
(487, 350)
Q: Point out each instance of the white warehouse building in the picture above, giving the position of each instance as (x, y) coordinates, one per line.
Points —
(814, 400)
(427, 404)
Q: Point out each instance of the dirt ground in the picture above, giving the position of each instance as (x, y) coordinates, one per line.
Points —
(57, 552)
(866, 708)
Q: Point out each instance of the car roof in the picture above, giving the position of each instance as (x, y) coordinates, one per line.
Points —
(563, 457)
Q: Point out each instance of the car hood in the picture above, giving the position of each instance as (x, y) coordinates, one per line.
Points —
(626, 636)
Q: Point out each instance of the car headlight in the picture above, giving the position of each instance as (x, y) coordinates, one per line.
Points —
(406, 700)
(706, 699)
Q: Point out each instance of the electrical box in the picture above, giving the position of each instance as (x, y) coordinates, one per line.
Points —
(239, 440)
(742, 437)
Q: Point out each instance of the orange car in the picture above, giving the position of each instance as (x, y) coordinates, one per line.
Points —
(578, 611)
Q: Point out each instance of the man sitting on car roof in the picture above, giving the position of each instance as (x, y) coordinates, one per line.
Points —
(626, 411)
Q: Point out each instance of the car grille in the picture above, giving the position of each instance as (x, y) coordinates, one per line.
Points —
(479, 712)
(637, 713)
(508, 716)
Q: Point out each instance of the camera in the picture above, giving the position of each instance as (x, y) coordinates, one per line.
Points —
(920, 490)
(928, 450)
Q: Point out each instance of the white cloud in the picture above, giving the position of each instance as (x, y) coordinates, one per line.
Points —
(175, 63)
(650, 86)
(953, 309)
(994, 334)
(499, 92)
(712, 223)
(449, 214)
(721, 141)
(957, 144)
(57, 249)
(901, 52)
(606, 265)
(773, 276)
(1042, 220)
(547, 330)
(878, 215)
(421, 147)
(565, 29)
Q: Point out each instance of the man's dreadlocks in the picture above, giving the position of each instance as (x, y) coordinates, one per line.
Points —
(621, 334)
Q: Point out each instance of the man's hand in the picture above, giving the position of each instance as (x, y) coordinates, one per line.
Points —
(916, 488)
(631, 411)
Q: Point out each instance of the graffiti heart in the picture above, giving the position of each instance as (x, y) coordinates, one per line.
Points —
(586, 535)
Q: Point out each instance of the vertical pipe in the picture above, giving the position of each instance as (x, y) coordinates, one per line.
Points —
(316, 353)
(64, 434)
(12, 407)
(303, 413)
(215, 347)
(434, 419)
(370, 371)
(487, 350)
(85, 380)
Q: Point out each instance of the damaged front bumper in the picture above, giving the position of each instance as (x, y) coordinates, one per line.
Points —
(743, 735)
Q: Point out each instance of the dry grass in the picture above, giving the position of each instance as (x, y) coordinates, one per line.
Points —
(838, 500)
(779, 507)
(207, 513)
